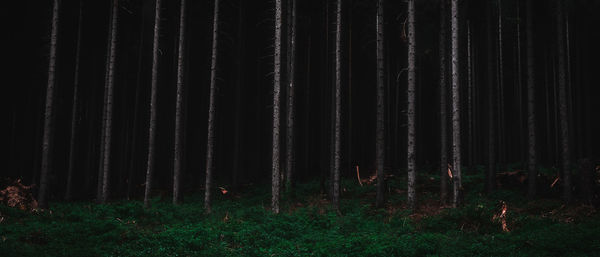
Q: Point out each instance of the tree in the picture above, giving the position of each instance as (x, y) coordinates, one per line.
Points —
(212, 110)
(74, 109)
(455, 107)
(48, 116)
(177, 152)
(411, 158)
(531, 124)
(380, 130)
(338, 106)
(443, 96)
(108, 105)
(275, 172)
(290, 136)
(562, 103)
(153, 92)
(490, 175)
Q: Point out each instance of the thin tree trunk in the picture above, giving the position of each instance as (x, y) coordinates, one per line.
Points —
(338, 106)
(74, 109)
(290, 150)
(411, 151)
(500, 78)
(238, 95)
(563, 108)
(531, 124)
(469, 96)
(443, 105)
(212, 110)
(178, 151)
(490, 175)
(153, 96)
(110, 78)
(456, 108)
(275, 175)
(48, 117)
(380, 130)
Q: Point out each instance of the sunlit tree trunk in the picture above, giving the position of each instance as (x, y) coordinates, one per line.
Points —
(562, 103)
(178, 151)
(74, 109)
(443, 105)
(411, 158)
(110, 81)
(275, 174)
(153, 96)
(48, 117)
(456, 154)
(338, 106)
(380, 130)
(531, 116)
(210, 158)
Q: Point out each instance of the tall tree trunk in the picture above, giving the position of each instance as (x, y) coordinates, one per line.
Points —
(210, 158)
(153, 92)
(290, 150)
(380, 130)
(338, 106)
(531, 124)
(469, 97)
(500, 99)
(110, 81)
(241, 51)
(74, 109)
(562, 101)
(490, 175)
(178, 151)
(455, 108)
(48, 117)
(275, 172)
(443, 105)
(411, 151)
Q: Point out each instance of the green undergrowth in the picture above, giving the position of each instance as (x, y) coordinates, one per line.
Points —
(242, 225)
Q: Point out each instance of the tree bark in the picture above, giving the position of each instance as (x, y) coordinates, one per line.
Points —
(290, 146)
(275, 172)
(48, 116)
(411, 151)
(380, 130)
(562, 104)
(491, 170)
(153, 96)
(239, 95)
(338, 106)
(456, 155)
(110, 81)
(212, 110)
(531, 116)
(443, 105)
(178, 151)
(74, 109)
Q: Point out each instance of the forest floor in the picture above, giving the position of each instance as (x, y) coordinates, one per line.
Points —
(242, 225)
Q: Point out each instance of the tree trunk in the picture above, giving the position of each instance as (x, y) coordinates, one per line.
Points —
(490, 175)
(562, 104)
(531, 124)
(153, 92)
(178, 151)
(212, 110)
(380, 130)
(469, 98)
(238, 95)
(290, 150)
(500, 99)
(48, 117)
(74, 109)
(338, 106)
(411, 151)
(443, 96)
(275, 174)
(455, 108)
(110, 78)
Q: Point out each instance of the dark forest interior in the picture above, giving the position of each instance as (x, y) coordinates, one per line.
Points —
(429, 102)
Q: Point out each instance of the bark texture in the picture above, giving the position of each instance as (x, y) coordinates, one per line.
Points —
(411, 141)
(178, 151)
(212, 109)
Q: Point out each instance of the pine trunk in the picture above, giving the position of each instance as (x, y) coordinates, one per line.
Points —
(443, 106)
(562, 104)
(275, 175)
(380, 130)
(153, 96)
(290, 150)
(178, 151)
(48, 116)
(531, 117)
(411, 151)
(338, 106)
(455, 107)
(490, 175)
(210, 158)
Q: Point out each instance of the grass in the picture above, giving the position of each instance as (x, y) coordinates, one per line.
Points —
(242, 225)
